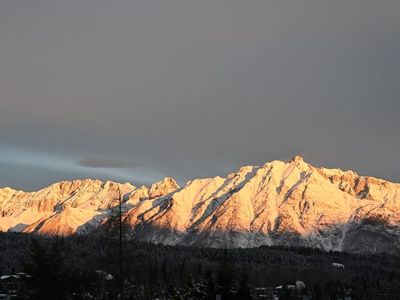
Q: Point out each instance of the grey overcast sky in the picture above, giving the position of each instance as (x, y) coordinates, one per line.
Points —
(137, 90)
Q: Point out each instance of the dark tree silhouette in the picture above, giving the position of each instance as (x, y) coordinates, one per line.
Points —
(49, 280)
(244, 290)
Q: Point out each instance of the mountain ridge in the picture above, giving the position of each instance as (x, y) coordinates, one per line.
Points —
(290, 203)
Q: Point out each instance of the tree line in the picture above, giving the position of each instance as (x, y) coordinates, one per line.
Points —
(78, 266)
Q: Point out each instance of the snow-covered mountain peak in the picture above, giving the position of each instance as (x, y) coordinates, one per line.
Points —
(297, 159)
(163, 187)
(279, 203)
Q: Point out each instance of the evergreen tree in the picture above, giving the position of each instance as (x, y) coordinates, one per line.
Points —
(47, 269)
(244, 290)
(317, 292)
(225, 280)
(210, 284)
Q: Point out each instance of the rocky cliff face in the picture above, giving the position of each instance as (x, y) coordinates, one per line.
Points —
(289, 203)
(60, 209)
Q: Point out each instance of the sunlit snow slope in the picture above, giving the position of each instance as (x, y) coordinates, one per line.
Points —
(289, 203)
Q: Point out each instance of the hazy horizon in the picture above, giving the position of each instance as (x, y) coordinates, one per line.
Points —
(139, 90)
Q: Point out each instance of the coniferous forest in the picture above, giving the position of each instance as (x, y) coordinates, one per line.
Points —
(87, 267)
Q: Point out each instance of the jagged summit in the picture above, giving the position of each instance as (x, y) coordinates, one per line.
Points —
(163, 187)
(297, 159)
(280, 202)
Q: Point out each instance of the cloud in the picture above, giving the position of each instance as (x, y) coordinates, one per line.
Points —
(107, 163)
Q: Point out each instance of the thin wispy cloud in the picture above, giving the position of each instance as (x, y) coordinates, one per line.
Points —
(107, 163)
(24, 164)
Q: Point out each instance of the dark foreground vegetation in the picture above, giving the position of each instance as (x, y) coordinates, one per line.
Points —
(88, 268)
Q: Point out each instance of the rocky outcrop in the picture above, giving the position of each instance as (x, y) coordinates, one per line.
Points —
(62, 208)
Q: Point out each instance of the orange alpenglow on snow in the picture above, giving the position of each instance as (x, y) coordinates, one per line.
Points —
(279, 203)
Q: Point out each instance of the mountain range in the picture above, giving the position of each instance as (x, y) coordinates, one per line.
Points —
(280, 203)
